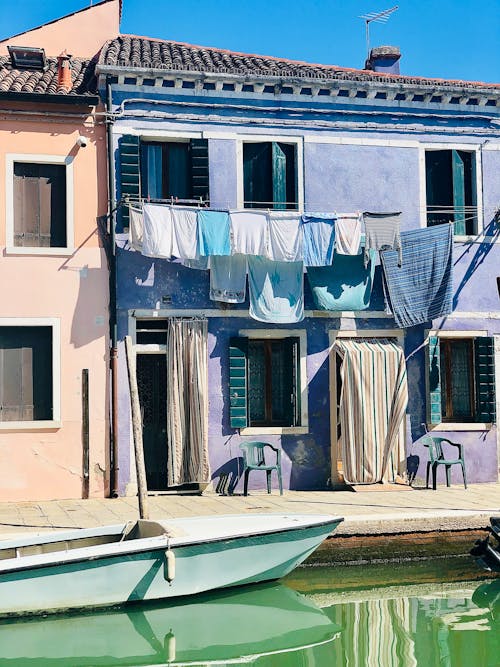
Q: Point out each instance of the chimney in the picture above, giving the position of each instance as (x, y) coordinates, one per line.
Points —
(64, 72)
(384, 59)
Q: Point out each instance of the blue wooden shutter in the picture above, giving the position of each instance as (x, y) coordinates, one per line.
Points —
(434, 371)
(238, 378)
(484, 371)
(129, 178)
(279, 176)
(199, 169)
(458, 170)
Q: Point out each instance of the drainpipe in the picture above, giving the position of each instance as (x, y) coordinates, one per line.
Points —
(112, 297)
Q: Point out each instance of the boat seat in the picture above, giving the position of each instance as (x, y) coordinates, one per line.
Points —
(144, 528)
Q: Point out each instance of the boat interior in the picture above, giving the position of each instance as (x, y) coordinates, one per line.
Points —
(133, 530)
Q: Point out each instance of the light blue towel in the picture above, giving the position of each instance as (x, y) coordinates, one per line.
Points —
(213, 233)
(228, 278)
(276, 290)
(346, 285)
(319, 239)
(422, 288)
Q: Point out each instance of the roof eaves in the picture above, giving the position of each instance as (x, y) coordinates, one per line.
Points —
(418, 85)
(49, 98)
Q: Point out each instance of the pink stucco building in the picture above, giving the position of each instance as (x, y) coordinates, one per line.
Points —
(54, 323)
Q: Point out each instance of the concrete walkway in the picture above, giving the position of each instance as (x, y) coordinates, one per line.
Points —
(366, 513)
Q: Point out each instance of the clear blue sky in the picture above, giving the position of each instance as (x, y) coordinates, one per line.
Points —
(438, 38)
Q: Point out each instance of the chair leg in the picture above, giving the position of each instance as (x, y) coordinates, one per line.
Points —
(463, 473)
(280, 481)
(434, 475)
(427, 475)
(245, 483)
(268, 475)
(448, 475)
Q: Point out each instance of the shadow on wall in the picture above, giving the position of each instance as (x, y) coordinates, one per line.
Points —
(478, 257)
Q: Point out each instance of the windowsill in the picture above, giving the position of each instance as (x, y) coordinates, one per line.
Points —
(52, 252)
(274, 430)
(30, 426)
(457, 426)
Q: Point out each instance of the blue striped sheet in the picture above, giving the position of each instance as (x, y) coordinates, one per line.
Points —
(422, 288)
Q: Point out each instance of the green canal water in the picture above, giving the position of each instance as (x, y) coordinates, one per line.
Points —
(439, 613)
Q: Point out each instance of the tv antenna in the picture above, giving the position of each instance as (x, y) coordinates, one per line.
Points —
(376, 17)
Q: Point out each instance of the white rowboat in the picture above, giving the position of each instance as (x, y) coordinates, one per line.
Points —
(150, 560)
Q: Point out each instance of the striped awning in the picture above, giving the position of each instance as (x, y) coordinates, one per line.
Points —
(373, 403)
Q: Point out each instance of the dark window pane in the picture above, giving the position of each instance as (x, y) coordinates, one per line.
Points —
(456, 379)
(269, 175)
(271, 377)
(25, 373)
(257, 389)
(450, 189)
(39, 205)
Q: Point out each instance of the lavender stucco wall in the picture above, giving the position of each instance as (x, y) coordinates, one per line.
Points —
(340, 177)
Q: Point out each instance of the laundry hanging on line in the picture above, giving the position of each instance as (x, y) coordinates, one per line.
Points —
(346, 285)
(276, 290)
(422, 288)
(318, 232)
(382, 233)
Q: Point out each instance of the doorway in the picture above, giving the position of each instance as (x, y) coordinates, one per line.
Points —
(151, 379)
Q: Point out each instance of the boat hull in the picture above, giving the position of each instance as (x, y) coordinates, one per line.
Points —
(115, 579)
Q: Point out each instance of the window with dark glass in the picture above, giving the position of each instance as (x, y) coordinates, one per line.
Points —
(451, 190)
(177, 169)
(270, 175)
(25, 373)
(39, 205)
(461, 379)
(264, 382)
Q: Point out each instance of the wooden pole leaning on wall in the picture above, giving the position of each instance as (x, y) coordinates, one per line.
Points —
(137, 430)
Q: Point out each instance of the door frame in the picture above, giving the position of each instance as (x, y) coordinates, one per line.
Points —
(333, 335)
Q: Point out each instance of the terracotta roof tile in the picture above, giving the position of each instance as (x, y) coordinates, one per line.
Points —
(131, 51)
(14, 80)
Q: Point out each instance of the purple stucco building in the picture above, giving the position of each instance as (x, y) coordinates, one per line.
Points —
(352, 140)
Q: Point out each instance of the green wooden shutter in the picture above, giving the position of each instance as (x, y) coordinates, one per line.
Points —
(434, 375)
(279, 176)
(199, 169)
(257, 175)
(484, 371)
(238, 378)
(458, 171)
(129, 173)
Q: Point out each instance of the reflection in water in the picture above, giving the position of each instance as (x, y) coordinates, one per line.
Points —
(442, 625)
(414, 625)
(266, 625)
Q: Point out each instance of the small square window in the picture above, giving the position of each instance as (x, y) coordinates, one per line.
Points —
(451, 189)
(270, 175)
(461, 379)
(176, 169)
(26, 382)
(40, 205)
(265, 382)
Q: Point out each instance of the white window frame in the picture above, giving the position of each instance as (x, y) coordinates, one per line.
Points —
(29, 158)
(55, 324)
(456, 426)
(268, 138)
(280, 334)
(475, 149)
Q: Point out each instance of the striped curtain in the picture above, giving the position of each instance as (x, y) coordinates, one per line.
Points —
(187, 402)
(373, 402)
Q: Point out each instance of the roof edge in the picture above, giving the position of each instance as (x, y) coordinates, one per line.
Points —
(60, 18)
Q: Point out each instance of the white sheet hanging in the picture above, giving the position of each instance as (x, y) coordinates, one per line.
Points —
(285, 236)
(157, 232)
(249, 233)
